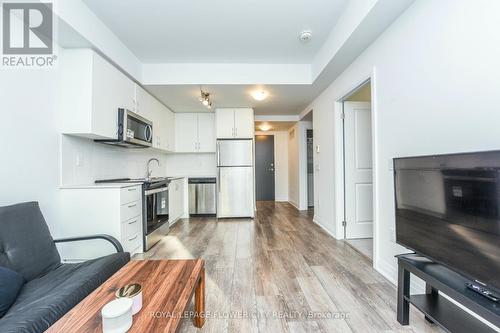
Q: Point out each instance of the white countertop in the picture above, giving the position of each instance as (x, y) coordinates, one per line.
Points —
(98, 186)
(115, 185)
(195, 176)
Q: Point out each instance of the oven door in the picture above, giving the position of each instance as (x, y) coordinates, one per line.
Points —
(156, 208)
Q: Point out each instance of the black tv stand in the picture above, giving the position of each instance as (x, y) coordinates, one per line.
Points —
(436, 308)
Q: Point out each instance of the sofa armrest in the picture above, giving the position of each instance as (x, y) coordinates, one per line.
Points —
(108, 238)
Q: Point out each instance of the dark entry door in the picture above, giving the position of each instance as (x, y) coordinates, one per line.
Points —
(264, 167)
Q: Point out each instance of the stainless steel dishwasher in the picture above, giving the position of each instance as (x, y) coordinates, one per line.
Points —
(202, 196)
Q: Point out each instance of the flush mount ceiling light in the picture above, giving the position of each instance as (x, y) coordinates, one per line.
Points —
(305, 36)
(265, 127)
(259, 95)
(205, 99)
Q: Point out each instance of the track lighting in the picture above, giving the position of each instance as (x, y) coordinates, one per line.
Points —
(205, 99)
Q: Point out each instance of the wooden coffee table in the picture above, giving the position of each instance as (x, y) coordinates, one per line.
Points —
(168, 286)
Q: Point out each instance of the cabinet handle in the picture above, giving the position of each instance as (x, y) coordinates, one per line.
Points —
(132, 222)
(132, 238)
(236, 132)
(131, 189)
(130, 206)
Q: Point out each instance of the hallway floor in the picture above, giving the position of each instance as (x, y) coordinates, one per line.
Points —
(282, 273)
(363, 246)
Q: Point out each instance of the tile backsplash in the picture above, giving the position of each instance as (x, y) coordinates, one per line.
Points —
(83, 161)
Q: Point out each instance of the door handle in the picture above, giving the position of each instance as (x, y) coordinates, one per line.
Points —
(218, 153)
(218, 180)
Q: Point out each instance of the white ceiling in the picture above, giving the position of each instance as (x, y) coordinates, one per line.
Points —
(282, 99)
(220, 31)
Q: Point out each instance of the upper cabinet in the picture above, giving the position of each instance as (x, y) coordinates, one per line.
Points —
(92, 91)
(195, 132)
(234, 123)
(206, 132)
(162, 118)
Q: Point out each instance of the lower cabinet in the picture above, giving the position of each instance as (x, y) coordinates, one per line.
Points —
(176, 199)
(116, 211)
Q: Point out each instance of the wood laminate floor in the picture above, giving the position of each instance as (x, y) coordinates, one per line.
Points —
(282, 273)
(363, 246)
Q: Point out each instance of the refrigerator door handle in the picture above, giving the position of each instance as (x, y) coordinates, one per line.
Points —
(218, 153)
(218, 180)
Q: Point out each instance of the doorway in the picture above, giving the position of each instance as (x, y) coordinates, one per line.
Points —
(264, 168)
(358, 173)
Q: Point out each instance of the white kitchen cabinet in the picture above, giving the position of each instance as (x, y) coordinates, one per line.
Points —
(186, 132)
(206, 132)
(175, 200)
(108, 209)
(92, 90)
(143, 103)
(224, 123)
(194, 132)
(234, 123)
(163, 119)
(244, 124)
(170, 134)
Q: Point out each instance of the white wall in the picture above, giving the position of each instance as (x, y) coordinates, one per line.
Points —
(435, 90)
(280, 163)
(192, 165)
(297, 164)
(84, 161)
(33, 147)
(29, 168)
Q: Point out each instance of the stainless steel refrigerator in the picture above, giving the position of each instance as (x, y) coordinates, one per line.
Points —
(235, 178)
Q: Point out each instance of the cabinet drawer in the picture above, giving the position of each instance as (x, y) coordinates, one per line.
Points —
(131, 227)
(129, 194)
(130, 210)
(131, 242)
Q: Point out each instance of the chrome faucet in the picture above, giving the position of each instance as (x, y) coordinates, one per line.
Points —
(148, 171)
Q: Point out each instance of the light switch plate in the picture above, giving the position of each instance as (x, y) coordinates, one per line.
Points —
(317, 149)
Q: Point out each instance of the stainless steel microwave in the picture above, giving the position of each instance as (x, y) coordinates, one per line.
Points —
(134, 131)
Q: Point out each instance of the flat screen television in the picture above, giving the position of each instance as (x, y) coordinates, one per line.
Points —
(448, 209)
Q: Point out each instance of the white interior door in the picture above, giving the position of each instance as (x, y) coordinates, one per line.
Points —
(358, 170)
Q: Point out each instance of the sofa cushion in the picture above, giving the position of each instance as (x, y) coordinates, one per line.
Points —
(10, 285)
(44, 300)
(26, 245)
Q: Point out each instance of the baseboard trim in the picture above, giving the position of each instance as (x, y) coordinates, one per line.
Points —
(389, 272)
(294, 205)
(324, 228)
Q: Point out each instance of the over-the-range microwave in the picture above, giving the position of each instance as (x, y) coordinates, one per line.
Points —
(134, 131)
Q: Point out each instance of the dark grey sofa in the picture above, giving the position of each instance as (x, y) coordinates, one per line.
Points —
(51, 288)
